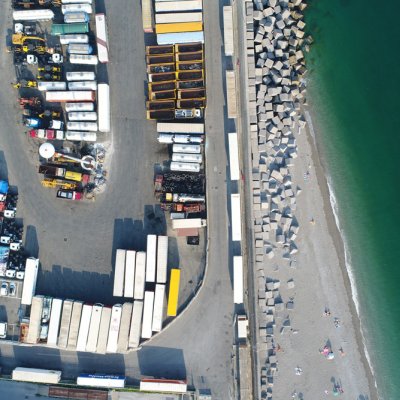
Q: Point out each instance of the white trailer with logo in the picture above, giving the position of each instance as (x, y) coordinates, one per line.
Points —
(140, 275)
(29, 286)
(136, 324)
(158, 309)
(74, 324)
(35, 320)
(162, 259)
(113, 332)
(130, 262)
(123, 336)
(94, 328)
(119, 273)
(151, 254)
(99, 380)
(147, 315)
(65, 323)
(163, 385)
(101, 38)
(54, 324)
(103, 330)
(84, 327)
(36, 375)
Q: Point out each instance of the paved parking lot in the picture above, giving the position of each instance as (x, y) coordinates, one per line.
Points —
(76, 243)
(10, 307)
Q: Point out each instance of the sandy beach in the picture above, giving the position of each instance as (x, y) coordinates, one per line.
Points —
(324, 315)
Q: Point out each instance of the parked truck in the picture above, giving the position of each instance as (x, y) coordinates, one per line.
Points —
(94, 328)
(64, 29)
(103, 107)
(84, 327)
(130, 263)
(57, 171)
(162, 259)
(65, 324)
(147, 16)
(70, 96)
(119, 273)
(163, 385)
(140, 275)
(151, 255)
(35, 320)
(158, 309)
(54, 325)
(147, 315)
(103, 330)
(36, 375)
(136, 324)
(123, 335)
(29, 286)
(74, 324)
(102, 38)
(100, 380)
(113, 332)
(192, 128)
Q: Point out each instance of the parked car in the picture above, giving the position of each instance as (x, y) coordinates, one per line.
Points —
(4, 289)
(12, 289)
(69, 194)
(3, 330)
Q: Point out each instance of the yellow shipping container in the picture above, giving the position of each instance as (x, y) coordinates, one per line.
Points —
(73, 176)
(179, 27)
(173, 292)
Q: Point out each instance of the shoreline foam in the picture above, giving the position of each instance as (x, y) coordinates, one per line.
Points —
(346, 254)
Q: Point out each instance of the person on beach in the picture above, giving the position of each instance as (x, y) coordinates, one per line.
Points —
(327, 312)
(341, 351)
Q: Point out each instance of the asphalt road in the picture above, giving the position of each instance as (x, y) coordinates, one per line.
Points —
(76, 242)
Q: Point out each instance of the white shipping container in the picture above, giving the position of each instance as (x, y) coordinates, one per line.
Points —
(65, 323)
(84, 327)
(173, 6)
(151, 254)
(73, 38)
(170, 138)
(70, 107)
(140, 275)
(84, 85)
(54, 324)
(69, 96)
(175, 127)
(136, 324)
(158, 309)
(76, 1)
(44, 86)
(81, 76)
(130, 262)
(181, 37)
(188, 223)
(33, 15)
(186, 148)
(103, 330)
(236, 221)
(147, 315)
(162, 259)
(78, 136)
(82, 126)
(183, 157)
(83, 59)
(103, 107)
(165, 18)
(123, 336)
(74, 324)
(36, 375)
(97, 380)
(119, 273)
(94, 328)
(112, 342)
(234, 156)
(82, 116)
(185, 167)
(85, 7)
(79, 48)
(76, 17)
(101, 38)
(29, 286)
(238, 279)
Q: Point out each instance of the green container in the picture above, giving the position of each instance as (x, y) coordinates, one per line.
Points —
(63, 29)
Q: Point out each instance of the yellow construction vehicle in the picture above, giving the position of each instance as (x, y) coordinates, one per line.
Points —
(31, 49)
(24, 84)
(20, 38)
(53, 183)
(49, 68)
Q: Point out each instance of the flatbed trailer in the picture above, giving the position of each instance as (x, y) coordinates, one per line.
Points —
(74, 324)
(123, 335)
(103, 330)
(35, 320)
(94, 328)
(65, 324)
(136, 324)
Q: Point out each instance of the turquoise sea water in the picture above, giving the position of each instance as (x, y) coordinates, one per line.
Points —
(354, 88)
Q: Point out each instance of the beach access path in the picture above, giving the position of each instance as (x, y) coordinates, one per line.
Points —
(321, 284)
